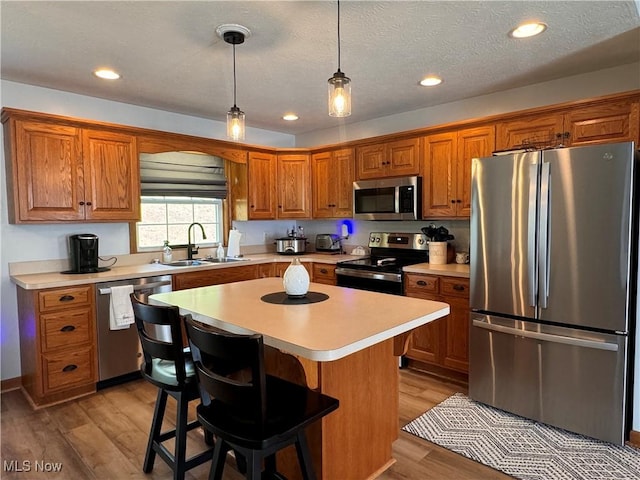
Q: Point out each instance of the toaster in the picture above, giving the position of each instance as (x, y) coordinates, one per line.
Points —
(327, 242)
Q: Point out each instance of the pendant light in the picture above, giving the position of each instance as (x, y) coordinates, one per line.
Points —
(235, 116)
(339, 87)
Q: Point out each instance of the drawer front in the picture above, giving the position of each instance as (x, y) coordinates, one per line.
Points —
(64, 297)
(323, 273)
(64, 329)
(458, 287)
(68, 369)
(420, 285)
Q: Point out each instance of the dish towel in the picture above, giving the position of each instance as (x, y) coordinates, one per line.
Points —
(121, 310)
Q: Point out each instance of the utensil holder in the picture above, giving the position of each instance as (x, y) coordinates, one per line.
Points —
(438, 253)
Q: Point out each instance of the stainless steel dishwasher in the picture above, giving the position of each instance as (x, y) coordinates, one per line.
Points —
(119, 353)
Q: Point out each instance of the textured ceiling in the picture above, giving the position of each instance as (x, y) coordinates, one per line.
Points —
(171, 59)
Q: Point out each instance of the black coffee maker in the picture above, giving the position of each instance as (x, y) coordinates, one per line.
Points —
(83, 254)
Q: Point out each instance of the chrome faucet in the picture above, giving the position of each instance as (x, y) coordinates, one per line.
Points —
(191, 249)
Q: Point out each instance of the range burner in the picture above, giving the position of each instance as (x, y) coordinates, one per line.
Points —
(382, 271)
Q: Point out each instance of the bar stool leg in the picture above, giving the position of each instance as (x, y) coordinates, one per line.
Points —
(181, 437)
(156, 426)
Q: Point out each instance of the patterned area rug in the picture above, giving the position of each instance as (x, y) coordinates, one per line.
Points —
(520, 447)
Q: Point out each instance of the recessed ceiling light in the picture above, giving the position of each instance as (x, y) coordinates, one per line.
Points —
(290, 117)
(528, 30)
(106, 74)
(430, 81)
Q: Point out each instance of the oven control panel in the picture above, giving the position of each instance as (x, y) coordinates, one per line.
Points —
(410, 241)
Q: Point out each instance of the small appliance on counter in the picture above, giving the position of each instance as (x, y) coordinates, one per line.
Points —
(328, 242)
(83, 254)
(295, 243)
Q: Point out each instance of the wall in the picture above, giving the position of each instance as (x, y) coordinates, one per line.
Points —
(594, 84)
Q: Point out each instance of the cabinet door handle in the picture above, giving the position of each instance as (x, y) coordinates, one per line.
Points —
(422, 283)
(66, 298)
(69, 368)
(458, 287)
(453, 201)
(68, 328)
(458, 201)
(81, 203)
(89, 203)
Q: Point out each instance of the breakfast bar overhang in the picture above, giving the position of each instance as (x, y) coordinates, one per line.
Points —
(345, 346)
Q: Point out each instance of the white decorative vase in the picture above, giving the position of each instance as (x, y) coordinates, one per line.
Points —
(296, 279)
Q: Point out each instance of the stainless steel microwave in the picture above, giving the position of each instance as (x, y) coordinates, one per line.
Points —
(388, 199)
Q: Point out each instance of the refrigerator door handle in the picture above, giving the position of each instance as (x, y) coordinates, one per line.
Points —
(577, 342)
(544, 250)
(531, 240)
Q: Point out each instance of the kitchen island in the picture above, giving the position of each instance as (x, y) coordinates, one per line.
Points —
(342, 346)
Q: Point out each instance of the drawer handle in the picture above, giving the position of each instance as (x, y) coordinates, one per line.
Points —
(69, 368)
(68, 328)
(459, 288)
(324, 270)
(67, 298)
(422, 283)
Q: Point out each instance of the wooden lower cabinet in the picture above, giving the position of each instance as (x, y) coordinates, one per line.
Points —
(324, 273)
(58, 347)
(217, 276)
(444, 343)
(280, 267)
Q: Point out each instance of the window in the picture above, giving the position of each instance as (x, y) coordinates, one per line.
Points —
(168, 218)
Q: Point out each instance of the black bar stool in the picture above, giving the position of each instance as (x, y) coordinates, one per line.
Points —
(250, 412)
(168, 366)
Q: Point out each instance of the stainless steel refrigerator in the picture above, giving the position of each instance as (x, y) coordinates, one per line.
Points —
(553, 285)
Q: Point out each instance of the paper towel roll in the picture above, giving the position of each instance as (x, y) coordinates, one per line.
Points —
(233, 249)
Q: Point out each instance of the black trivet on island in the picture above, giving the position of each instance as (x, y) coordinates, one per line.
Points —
(281, 298)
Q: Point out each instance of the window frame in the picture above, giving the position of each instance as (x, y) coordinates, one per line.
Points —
(219, 225)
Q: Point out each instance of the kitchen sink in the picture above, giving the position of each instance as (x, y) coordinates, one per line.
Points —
(203, 261)
(223, 260)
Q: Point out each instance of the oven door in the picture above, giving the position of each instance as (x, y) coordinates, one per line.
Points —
(383, 282)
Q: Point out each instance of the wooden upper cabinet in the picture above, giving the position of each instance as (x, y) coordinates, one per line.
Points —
(62, 173)
(389, 159)
(262, 186)
(294, 186)
(403, 157)
(613, 121)
(333, 175)
(606, 123)
(439, 178)
(447, 169)
(534, 130)
(472, 143)
(111, 176)
(44, 172)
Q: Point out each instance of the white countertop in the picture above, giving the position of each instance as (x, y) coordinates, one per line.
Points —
(34, 281)
(450, 269)
(348, 321)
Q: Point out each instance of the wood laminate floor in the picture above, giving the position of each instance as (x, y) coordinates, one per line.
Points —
(104, 435)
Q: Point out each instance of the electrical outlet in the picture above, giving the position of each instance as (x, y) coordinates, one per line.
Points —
(264, 236)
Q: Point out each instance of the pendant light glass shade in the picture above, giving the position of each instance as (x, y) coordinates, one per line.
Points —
(235, 124)
(339, 95)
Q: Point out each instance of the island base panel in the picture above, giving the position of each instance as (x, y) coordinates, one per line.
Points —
(355, 441)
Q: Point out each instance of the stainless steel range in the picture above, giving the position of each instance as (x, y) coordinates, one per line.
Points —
(382, 271)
